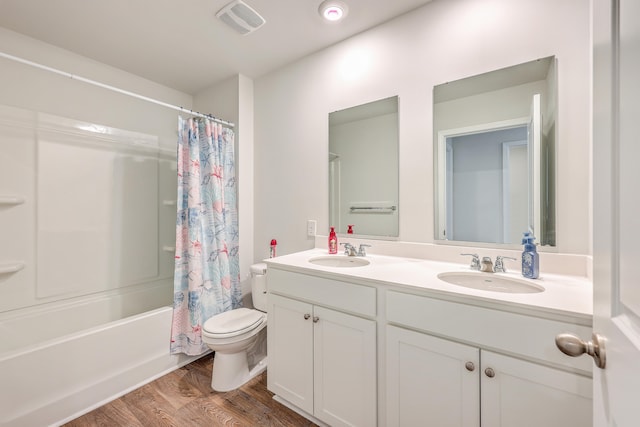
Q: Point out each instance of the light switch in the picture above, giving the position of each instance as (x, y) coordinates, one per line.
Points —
(311, 227)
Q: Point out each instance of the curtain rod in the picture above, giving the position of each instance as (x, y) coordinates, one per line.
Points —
(115, 89)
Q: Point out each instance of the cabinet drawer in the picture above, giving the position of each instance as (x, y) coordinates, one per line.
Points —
(332, 293)
(531, 337)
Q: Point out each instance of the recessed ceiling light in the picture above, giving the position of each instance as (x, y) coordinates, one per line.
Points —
(332, 10)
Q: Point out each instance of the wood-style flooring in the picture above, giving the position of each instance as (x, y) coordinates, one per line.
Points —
(184, 398)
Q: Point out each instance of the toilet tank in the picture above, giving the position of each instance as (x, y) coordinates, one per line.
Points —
(259, 286)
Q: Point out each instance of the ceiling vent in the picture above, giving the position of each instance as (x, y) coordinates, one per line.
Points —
(241, 17)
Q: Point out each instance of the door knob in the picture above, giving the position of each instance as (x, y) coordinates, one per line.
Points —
(573, 346)
(307, 316)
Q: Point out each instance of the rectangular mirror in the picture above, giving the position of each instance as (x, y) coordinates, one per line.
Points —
(363, 169)
(495, 142)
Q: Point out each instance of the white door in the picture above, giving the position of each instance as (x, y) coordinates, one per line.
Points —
(515, 203)
(534, 147)
(616, 212)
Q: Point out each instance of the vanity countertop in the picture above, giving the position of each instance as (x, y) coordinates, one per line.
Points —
(566, 297)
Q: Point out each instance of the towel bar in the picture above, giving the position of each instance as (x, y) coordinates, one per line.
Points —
(372, 209)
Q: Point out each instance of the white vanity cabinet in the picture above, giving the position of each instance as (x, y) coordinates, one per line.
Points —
(391, 345)
(451, 364)
(430, 378)
(322, 347)
(516, 392)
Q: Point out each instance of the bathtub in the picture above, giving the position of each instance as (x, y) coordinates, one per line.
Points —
(77, 356)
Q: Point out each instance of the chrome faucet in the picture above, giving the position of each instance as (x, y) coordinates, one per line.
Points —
(349, 249)
(499, 266)
(487, 265)
(362, 251)
(475, 261)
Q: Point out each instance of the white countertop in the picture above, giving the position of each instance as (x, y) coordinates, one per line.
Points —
(567, 297)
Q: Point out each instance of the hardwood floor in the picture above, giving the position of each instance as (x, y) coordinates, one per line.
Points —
(184, 398)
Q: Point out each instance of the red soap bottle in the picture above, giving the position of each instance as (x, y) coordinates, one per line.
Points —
(333, 241)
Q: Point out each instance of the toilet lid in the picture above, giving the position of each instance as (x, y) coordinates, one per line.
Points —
(233, 322)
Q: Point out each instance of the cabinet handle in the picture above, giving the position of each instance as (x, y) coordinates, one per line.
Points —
(11, 268)
(489, 372)
(307, 316)
(470, 366)
(315, 319)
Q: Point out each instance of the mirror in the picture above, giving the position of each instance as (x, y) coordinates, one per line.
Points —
(363, 169)
(494, 136)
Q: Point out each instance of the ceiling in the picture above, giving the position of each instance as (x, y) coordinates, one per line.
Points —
(181, 44)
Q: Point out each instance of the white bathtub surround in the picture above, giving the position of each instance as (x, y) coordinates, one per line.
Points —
(38, 326)
(88, 317)
(55, 381)
(76, 340)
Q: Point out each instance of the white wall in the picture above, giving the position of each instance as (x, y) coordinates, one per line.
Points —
(442, 41)
(488, 107)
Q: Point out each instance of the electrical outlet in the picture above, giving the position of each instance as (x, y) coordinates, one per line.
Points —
(311, 227)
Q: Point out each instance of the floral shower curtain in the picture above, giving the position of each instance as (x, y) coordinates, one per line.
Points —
(207, 277)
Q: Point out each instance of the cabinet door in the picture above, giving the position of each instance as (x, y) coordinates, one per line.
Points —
(523, 394)
(345, 369)
(431, 381)
(290, 350)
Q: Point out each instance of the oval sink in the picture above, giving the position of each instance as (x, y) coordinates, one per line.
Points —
(490, 282)
(339, 261)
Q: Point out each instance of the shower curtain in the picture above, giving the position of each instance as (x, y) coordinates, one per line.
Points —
(207, 277)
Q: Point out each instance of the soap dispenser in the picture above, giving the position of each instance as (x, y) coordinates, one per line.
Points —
(530, 258)
(333, 241)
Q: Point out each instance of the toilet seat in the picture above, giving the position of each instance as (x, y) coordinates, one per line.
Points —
(233, 323)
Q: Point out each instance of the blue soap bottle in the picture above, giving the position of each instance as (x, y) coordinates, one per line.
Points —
(530, 258)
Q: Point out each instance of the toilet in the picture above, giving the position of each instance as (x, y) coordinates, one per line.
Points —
(231, 333)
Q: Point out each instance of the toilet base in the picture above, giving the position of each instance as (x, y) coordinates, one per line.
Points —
(230, 371)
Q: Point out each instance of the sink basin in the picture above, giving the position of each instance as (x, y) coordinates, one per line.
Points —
(490, 282)
(339, 261)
